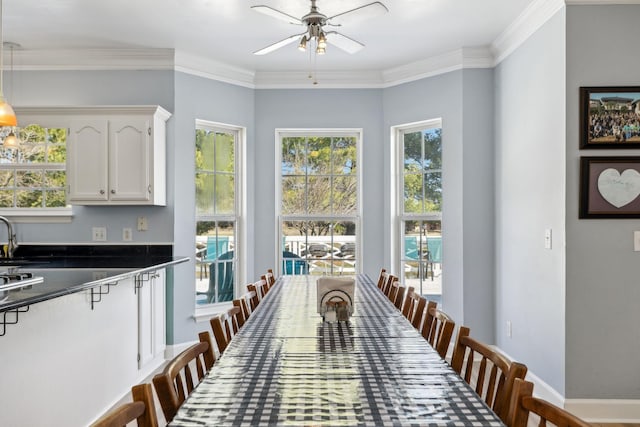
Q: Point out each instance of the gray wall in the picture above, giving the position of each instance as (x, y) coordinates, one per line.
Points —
(464, 101)
(200, 98)
(530, 197)
(603, 292)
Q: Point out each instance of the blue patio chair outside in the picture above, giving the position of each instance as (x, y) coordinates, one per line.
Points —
(216, 247)
(411, 248)
(292, 264)
(221, 272)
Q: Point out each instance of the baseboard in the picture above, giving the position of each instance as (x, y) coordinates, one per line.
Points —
(605, 410)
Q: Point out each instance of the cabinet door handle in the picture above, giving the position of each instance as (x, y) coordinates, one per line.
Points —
(101, 191)
(113, 191)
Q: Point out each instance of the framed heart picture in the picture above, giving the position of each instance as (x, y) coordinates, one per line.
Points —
(609, 187)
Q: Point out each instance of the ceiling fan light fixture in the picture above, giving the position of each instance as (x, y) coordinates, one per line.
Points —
(320, 50)
(303, 44)
(322, 41)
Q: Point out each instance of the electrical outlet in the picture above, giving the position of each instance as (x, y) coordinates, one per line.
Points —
(142, 223)
(127, 235)
(99, 234)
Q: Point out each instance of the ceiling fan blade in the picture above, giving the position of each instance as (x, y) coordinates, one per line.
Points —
(278, 45)
(343, 42)
(364, 12)
(274, 13)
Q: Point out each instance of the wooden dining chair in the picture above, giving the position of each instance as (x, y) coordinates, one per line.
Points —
(241, 315)
(271, 278)
(142, 410)
(177, 381)
(493, 379)
(440, 332)
(210, 355)
(406, 305)
(254, 299)
(265, 283)
(245, 304)
(225, 326)
(523, 403)
(381, 278)
(415, 304)
(386, 287)
(396, 296)
(428, 318)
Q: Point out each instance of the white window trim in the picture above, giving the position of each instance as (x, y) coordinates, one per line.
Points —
(397, 214)
(330, 132)
(206, 311)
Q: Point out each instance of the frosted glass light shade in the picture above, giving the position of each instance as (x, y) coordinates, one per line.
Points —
(11, 141)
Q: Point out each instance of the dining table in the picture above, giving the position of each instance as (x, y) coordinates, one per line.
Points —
(288, 367)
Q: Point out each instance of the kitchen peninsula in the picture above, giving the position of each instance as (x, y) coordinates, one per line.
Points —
(95, 323)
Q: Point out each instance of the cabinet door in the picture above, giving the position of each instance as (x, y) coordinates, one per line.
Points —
(151, 318)
(87, 160)
(129, 159)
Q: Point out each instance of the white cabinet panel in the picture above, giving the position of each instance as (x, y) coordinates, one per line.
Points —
(87, 167)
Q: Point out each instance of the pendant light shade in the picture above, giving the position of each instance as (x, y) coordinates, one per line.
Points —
(7, 116)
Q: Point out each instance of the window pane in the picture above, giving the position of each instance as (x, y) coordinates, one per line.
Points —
(29, 178)
(204, 151)
(344, 197)
(319, 156)
(29, 198)
(6, 199)
(224, 152)
(57, 154)
(55, 199)
(55, 179)
(33, 153)
(433, 192)
(413, 193)
(293, 156)
(225, 194)
(215, 261)
(293, 195)
(205, 191)
(319, 193)
(344, 156)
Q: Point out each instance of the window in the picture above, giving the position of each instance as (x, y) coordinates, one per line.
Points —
(319, 201)
(420, 205)
(33, 176)
(216, 184)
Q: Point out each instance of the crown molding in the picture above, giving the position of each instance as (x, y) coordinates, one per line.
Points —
(92, 59)
(210, 69)
(468, 57)
(529, 21)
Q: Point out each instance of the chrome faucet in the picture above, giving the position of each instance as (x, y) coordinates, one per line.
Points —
(12, 243)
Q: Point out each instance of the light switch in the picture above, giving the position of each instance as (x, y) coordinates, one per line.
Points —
(547, 238)
(636, 241)
(142, 223)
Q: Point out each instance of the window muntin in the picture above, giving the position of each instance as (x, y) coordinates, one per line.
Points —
(33, 175)
(319, 202)
(421, 206)
(216, 213)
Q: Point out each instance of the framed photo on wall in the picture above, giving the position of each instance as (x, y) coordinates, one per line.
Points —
(609, 187)
(610, 117)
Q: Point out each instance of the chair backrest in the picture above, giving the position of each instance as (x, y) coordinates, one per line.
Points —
(381, 278)
(415, 305)
(406, 305)
(266, 283)
(241, 315)
(396, 296)
(523, 403)
(261, 288)
(271, 278)
(292, 264)
(428, 318)
(176, 381)
(225, 326)
(142, 409)
(494, 378)
(252, 295)
(386, 287)
(216, 246)
(210, 355)
(439, 335)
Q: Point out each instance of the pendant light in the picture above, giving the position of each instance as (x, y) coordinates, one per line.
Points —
(7, 116)
(11, 141)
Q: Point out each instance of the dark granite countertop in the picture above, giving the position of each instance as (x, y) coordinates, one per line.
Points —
(71, 269)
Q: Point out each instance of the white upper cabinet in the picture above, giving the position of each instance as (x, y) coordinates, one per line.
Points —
(118, 159)
(116, 155)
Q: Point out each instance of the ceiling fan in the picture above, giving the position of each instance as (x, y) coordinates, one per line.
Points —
(315, 23)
